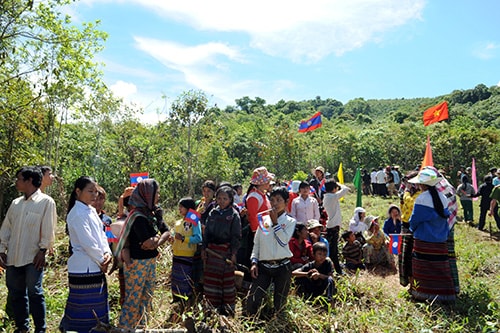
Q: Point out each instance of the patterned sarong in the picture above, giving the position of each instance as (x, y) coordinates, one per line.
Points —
(87, 292)
(432, 278)
(453, 260)
(218, 280)
(405, 258)
(182, 282)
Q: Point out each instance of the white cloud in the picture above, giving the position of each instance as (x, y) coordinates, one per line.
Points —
(486, 50)
(123, 89)
(303, 32)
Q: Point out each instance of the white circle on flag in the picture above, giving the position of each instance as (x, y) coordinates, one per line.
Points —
(309, 123)
(192, 216)
(139, 179)
(394, 244)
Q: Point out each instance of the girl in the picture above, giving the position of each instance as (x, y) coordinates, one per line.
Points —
(186, 239)
(221, 242)
(144, 233)
(88, 263)
(301, 247)
(392, 225)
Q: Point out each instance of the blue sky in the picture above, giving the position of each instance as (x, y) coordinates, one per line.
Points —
(293, 50)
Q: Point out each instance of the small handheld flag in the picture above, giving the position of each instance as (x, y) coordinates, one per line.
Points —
(311, 124)
(193, 217)
(395, 243)
(110, 236)
(262, 224)
(136, 178)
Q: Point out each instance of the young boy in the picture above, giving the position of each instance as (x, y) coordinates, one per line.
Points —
(316, 276)
(352, 252)
(305, 207)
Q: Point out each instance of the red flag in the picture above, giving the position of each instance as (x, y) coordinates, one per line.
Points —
(192, 217)
(436, 113)
(428, 155)
(311, 124)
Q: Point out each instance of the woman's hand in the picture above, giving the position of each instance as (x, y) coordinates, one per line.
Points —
(150, 243)
(105, 263)
(254, 271)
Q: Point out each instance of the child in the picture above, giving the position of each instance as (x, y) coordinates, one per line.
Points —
(331, 203)
(352, 251)
(316, 277)
(315, 228)
(271, 255)
(187, 235)
(221, 242)
(305, 207)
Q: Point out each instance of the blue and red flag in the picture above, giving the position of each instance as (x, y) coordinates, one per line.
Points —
(109, 235)
(311, 124)
(262, 225)
(193, 217)
(136, 178)
(395, 243)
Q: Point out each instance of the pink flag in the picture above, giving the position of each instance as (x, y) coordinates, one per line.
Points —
(474, 179)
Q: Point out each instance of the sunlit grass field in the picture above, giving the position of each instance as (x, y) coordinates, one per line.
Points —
(367, 302)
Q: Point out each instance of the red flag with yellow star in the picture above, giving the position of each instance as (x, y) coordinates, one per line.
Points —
(436, 113)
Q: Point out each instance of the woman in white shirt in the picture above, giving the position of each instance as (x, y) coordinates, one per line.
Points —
(88, 263)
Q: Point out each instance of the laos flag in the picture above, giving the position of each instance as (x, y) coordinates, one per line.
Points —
(193, 217)
(311, 124)
(395, 243)
(136, 178)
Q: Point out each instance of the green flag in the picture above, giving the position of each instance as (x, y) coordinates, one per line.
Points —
(357, 183)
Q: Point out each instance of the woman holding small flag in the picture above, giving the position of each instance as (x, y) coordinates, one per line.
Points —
(187, 235)
(144, 232)
(432, 276)
(221, 242)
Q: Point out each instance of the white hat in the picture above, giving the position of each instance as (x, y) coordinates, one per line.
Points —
(427, 176)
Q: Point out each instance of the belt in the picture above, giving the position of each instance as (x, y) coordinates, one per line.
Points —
(276, 262)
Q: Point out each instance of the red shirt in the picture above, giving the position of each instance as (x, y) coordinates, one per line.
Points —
(256, 202)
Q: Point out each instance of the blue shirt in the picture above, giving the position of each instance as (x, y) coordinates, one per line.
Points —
(425, 223)
(390, 228)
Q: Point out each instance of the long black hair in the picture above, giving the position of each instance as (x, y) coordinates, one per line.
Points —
(80, 184)
(436, 201)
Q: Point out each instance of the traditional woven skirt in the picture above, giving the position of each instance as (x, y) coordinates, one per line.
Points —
(87, 292)
(182, 281)
(432, 279)
(405, 258)
(219, 286)
(453, 260)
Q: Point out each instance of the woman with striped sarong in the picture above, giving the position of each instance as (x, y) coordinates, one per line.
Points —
(88, 291)
(432, 276)
(221, 242)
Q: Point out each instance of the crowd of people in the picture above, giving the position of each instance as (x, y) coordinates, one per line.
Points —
(283, 235)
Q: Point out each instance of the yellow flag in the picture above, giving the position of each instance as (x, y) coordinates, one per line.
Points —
(340, 177)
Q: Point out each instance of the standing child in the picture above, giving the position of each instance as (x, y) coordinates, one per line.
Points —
(352, 252)
(271, 255)
(187, 235)
(221, 242)
(305, 207)
(315, 277)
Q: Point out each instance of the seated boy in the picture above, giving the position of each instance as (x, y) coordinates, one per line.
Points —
(316, 276)
(352, 252)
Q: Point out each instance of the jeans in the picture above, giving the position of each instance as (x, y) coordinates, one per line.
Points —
(25, 288)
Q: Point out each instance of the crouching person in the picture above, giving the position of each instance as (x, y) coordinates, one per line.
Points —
(316, 277)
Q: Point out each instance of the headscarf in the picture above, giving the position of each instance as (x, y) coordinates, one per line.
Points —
(143, 196)
(355, 217)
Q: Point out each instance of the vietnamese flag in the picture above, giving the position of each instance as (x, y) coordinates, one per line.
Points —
(311, 124)
(436, 113)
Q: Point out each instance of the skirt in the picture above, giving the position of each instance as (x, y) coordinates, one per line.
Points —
(405, 259)
(182, 282)
(432, 277)
(219, 285)
(88, 293)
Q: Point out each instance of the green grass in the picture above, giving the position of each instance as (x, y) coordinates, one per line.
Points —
(367, 302)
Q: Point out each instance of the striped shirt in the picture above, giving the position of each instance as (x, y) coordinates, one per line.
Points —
(273, 244)
(28, 227)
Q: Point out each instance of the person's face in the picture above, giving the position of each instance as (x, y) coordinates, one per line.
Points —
(99, 202)
(182, 210)
(316, 230)
(394, 213)
(21, 183)
(352, 238)
(320, 257)
(207, 193)
(88, 194)
(239, 191)
(362, 216)
(223, 200)
(157, 197)
(304, 233)
(278, 203)
(304, 192)
(48, 178)
(318, 174)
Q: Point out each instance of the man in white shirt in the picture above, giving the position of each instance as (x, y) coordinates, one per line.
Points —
(26, 233)
(305, 207)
